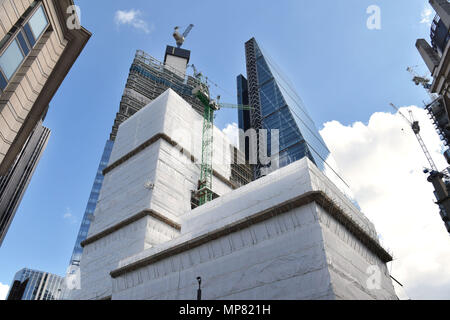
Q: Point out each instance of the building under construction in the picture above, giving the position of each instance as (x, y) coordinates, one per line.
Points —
(291, 234)
(148, 78)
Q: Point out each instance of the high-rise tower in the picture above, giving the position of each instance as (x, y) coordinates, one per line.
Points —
(276, 105)
(35, 285)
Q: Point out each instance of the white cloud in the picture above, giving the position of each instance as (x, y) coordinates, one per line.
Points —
(383, 162)
(69, 216)
(133, 18)
(427, 15)
(232, 132)
(4, 288)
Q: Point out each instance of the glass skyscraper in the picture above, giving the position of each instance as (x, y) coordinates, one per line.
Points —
(92, 203)
(14, 184)
(35, 285)
(276, 105)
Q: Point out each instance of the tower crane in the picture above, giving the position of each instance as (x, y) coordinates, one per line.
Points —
(179, 38)
(419, 80)
(204, 192)
(416, 129)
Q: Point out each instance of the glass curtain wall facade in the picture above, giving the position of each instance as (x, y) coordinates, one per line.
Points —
(35, 285)
(14, 184)
(276, 105)
(92, 203)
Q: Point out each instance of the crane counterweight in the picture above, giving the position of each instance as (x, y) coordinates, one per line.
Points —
(179, 38)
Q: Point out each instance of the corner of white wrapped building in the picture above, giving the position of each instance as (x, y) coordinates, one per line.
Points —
(289, 235)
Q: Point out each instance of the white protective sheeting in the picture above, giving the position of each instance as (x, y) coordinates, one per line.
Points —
(301, 254)
(159, 177)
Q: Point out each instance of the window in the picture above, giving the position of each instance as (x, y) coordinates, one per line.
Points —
(11, 59)
(24, 40)
(38, 22)
(23, 43)
(3, 82)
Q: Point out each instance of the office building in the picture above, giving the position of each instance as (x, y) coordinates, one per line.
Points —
(275, 105)
(39, 43)
(35, 285)
(14, 184)
(437, 58)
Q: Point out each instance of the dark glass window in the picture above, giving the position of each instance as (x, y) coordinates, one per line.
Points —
(23, 43)
(264, 73)
(3, 82)
(271, 98)
(29, 34)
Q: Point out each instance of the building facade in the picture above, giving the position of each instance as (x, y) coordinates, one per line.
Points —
(14, 184)
(148, 78)
(289, 235)
(39, 43)
(35, 285)
(90, 207)
(151, 179)
(437, 58)
(276, 105)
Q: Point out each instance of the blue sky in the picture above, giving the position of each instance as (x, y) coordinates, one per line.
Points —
(341, 69)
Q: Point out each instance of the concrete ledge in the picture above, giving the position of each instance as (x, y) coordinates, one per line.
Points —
(318, 197)
(173, 143)
(128, 221)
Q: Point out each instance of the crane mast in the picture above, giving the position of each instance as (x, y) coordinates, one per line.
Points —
(204, 192)
(416, 129)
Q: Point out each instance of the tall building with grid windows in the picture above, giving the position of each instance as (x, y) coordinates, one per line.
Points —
(39, 43)
(35, 285)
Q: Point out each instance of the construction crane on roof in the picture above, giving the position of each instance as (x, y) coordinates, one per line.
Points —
(416, 129)
(180, 38)
(419, 80)
(204, 191)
